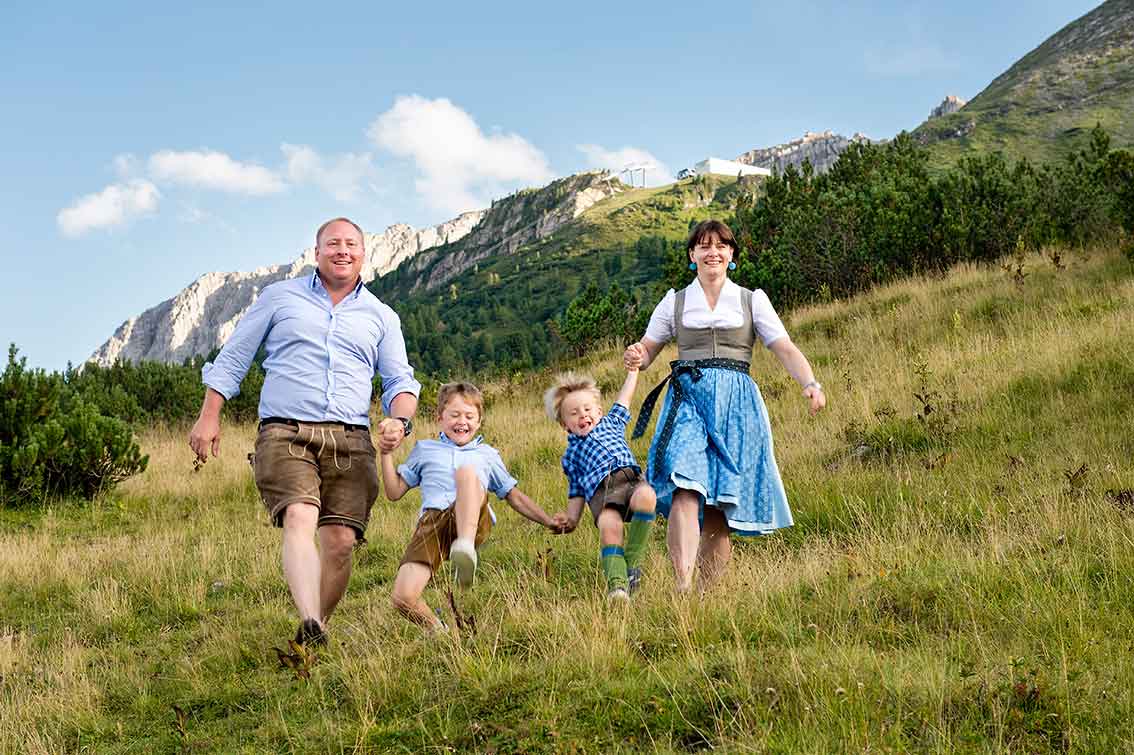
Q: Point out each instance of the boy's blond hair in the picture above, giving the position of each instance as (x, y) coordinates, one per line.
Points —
(565, 384)
(467, 391)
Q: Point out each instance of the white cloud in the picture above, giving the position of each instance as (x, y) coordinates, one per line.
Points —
(126, 165)
(657, 172)
(111, 207)
(342, 176)
(459, 166)
(214, 170)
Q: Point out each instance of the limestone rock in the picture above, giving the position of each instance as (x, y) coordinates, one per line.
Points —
(951, 104)
(203, 315)
(821, 148)
(512, 222)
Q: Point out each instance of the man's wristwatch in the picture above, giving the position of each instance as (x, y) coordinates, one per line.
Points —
(813, 384)
(407, 425)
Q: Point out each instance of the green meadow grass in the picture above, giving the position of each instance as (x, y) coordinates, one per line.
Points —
(960, 577)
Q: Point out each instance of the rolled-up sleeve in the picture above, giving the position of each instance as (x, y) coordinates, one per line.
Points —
(225, 373)
(410, 469)
(393, 364)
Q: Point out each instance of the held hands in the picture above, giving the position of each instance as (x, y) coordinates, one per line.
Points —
(204, 436)
(634, 356)
(814, 394)
(561, 523)
(391, 433)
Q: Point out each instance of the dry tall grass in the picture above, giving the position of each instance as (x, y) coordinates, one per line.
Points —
(956, 580)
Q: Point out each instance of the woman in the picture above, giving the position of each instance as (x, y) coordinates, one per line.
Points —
(711, 460)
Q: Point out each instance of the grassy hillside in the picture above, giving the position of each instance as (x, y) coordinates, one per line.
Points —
(1045, 105)
(500, 308)
(960, 577)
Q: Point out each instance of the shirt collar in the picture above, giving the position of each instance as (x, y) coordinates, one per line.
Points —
(443, 438)
(317, 283)
(728, 290)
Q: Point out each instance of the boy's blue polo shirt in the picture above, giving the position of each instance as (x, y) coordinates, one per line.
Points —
(433, 463)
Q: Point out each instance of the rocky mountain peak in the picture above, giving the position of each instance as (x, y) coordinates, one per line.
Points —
(821, 148)
(518, 219)
(203, 315)
(951, 104)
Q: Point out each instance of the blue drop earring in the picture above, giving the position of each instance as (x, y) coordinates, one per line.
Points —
(692, 265)
(732, 266)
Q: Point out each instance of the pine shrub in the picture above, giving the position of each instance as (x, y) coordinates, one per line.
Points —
(54, 442)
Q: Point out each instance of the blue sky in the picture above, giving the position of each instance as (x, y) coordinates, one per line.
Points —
(141, 148)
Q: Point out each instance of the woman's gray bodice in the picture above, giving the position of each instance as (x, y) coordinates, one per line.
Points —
(720, 343)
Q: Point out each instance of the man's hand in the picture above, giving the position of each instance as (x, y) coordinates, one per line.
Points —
(205, 435)
(634, 356)
(391, 433)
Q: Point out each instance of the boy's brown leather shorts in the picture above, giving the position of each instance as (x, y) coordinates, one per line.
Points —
(318, 463)
(614, 492)
(435, 532)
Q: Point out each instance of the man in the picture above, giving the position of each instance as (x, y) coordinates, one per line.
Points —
(325, 336)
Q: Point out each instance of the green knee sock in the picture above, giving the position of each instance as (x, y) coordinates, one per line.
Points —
(614, 567)
(638, 537)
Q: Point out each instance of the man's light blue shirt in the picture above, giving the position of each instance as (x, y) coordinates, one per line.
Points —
(321, 358)
(432, 464)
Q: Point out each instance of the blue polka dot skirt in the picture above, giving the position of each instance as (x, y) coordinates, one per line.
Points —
(720, 446)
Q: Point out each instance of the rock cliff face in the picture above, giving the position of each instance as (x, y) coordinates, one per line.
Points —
(951, 104)
(204, 314)
(510, 223)
(822, 149)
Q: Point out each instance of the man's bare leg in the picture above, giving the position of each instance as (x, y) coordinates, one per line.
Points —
(336, 544)
(301, 559)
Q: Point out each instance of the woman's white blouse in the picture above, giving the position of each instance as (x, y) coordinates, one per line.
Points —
(728, 313)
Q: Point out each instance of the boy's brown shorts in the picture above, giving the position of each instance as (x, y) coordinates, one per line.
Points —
(614, 492)
(436, 530)
(318, 463)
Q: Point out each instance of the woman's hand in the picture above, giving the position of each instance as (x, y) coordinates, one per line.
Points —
(634, 356)
(814, 393)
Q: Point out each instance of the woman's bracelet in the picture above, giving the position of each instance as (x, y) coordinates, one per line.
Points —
(813, 384)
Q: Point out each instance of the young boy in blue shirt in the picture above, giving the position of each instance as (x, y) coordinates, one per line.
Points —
(603, 475)
(455, 473)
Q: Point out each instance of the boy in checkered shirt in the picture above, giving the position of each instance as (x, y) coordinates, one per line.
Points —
(603, 475)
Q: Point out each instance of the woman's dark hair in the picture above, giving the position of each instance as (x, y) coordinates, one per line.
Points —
(707, 228)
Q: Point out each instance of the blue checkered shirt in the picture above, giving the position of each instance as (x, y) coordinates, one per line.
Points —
(591, 457)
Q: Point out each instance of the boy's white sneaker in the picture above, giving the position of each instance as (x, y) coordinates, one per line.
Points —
(463, 555)
(618, 595)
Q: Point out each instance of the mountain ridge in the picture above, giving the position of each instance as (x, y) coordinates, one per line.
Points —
(203, 315)
(1044, 105)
